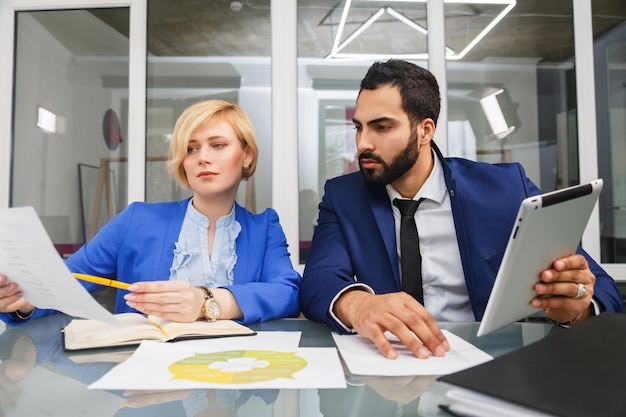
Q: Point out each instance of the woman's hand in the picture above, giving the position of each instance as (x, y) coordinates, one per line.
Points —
(14, 369)
(145, 398)
(11, 298)
(174, 300)
(178, 300)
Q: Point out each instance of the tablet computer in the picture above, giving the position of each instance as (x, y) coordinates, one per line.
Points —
(548, 226)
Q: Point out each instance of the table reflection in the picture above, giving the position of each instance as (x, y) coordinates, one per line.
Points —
(38, 378)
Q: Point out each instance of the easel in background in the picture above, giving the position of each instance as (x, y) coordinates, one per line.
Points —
(104, 184)
(505, 154)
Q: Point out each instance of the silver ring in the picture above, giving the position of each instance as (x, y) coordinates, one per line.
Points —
(581, 291)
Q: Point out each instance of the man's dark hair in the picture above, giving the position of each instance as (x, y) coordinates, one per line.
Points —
(418, 87)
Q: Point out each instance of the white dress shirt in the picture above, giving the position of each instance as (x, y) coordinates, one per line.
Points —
(191, 260)
(443, 281)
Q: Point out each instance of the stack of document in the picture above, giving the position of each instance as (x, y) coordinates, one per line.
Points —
(575, 372)
(468, 403)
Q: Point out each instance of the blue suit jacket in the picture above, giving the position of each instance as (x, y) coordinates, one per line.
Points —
(355, 237)
(138, 245)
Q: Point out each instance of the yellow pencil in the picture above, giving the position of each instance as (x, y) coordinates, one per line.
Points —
(102, 281)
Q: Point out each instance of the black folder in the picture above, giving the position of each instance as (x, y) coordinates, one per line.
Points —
(575, 372)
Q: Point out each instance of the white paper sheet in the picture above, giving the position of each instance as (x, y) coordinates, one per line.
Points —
(236, 363)
(28, 257)
(363, 357)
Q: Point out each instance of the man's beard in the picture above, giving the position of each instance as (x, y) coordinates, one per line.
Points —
(401, 163)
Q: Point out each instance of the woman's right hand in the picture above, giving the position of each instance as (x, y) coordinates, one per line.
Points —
(11, 298)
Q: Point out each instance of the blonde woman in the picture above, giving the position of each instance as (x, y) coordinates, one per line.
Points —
(201, 258)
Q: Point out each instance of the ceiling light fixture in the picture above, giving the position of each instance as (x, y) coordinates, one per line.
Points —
(338, 46)
(495, 114)
(46, 120)
(236, 6)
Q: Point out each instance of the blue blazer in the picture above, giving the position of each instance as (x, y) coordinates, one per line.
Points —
(138, 245)
(355, 237)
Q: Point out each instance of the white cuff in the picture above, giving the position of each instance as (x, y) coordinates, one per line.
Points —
(339, 294)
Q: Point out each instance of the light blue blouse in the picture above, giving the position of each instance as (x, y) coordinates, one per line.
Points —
(191, 260)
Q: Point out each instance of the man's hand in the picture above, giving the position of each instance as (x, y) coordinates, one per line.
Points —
(401, 389)
(558, 289)
(371, 315)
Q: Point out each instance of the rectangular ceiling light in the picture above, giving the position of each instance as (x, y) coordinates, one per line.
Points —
(46, 120)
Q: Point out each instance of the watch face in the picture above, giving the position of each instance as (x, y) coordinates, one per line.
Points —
(212, 308)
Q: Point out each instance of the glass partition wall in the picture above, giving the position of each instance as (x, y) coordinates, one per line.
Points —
(71, 109)
(510, 95)
(511, 88)
(610, 80)
(212, 49)
(69, 122)
(515, 100)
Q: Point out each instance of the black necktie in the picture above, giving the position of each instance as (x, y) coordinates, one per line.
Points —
(410, 256)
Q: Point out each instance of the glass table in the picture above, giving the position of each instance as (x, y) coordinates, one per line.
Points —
(38, 378)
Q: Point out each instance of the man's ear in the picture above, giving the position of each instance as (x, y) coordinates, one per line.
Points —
(426, 130)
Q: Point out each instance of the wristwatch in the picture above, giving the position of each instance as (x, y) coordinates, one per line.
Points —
(211, 307)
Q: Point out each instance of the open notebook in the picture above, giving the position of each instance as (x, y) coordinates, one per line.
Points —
(547, 227)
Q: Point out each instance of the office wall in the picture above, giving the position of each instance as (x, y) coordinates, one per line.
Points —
(45, 166)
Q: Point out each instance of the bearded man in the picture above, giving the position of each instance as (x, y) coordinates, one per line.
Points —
(353, 279)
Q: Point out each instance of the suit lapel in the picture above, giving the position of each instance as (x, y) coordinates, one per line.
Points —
(175, 223)
(241, 245)
(459, 223)
(383, 214)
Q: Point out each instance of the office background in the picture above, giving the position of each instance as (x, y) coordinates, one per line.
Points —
(90, 92)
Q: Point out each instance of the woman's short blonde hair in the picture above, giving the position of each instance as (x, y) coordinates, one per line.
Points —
(196, 117)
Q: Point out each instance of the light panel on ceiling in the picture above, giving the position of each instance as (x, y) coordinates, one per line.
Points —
(338, 46)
